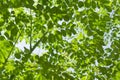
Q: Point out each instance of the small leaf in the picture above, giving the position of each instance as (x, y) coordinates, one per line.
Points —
(2, 38)
(17, 55)
(80, 4)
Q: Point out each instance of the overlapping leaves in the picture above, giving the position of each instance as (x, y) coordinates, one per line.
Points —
(81, 39)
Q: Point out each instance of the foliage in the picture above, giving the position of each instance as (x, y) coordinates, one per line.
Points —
(81, 39)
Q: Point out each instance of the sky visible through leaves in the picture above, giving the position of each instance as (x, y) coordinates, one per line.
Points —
(59, 40)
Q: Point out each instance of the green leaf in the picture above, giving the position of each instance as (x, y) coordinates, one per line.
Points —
(18, 55)
(92, 48)
(80, 4)
(2, 38)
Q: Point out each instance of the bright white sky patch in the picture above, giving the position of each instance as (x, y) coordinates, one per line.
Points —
(70, 69)
(61, 21)
(22, 44)
(37, 50)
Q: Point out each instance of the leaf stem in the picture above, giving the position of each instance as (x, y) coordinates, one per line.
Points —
(31, 31)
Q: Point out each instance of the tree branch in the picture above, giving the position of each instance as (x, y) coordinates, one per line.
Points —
(12, 48)
(36, 44)
(30, 31)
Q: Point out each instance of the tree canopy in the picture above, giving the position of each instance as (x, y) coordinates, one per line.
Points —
(81, 39)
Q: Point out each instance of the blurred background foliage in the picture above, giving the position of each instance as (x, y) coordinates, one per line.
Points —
(81, 39)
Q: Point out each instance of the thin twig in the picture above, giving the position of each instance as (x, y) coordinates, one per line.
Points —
(12, 48)
(30, 32)
(37, 43)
